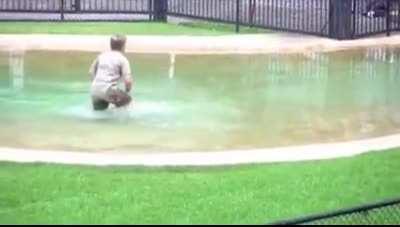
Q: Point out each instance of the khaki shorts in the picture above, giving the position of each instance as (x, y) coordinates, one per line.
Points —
(114, 96)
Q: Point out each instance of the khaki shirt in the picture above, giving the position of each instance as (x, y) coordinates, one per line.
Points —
(110, 68)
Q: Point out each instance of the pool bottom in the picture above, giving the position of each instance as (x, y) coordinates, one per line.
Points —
(241, 102)
(81, 129)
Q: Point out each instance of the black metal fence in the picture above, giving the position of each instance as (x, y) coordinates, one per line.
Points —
(375, 16)
(76, 10)
(305, 16)
(382, 213)
(339, 19)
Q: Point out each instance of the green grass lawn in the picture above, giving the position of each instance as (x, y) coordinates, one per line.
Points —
(255, 194)
(128, 28)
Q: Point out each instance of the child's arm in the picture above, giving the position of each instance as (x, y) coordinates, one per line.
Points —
(128, 84)
(93, 69)
(127, 75)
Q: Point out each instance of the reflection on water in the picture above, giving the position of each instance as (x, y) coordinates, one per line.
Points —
(16, 73)
(202, 102)
(135, 110)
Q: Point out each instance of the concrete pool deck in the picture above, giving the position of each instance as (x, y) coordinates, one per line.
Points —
(224, 44)
(228, 44)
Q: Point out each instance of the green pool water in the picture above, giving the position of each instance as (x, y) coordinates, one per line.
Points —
(208, 103)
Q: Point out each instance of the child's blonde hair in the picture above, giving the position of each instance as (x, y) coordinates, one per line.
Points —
(118, 42)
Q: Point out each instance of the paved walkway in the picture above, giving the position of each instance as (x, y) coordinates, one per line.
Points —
(226, 44)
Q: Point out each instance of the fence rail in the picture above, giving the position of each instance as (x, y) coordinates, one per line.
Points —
(339, 19)
(385, 212)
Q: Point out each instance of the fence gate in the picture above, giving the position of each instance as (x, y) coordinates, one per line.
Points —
(375, 17)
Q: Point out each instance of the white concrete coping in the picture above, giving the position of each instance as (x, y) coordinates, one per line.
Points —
(204, 158)
(225, 44)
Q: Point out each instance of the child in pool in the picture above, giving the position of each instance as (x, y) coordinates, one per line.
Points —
(108, 71)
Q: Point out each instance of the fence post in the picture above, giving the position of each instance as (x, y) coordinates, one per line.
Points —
(354, 9)
(77, 5)
(237, 16)
(160, 10)
(388, 17)
(151, 10)
(340, 19)
(252, 10)
(62, 9)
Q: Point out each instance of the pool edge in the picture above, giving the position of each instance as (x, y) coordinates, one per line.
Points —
(230, 44)
(312, 152)
(226, 44)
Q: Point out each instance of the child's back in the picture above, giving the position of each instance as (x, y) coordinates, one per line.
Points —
(108, 71)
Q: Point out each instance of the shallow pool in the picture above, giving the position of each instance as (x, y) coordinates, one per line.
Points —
(206, 103)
